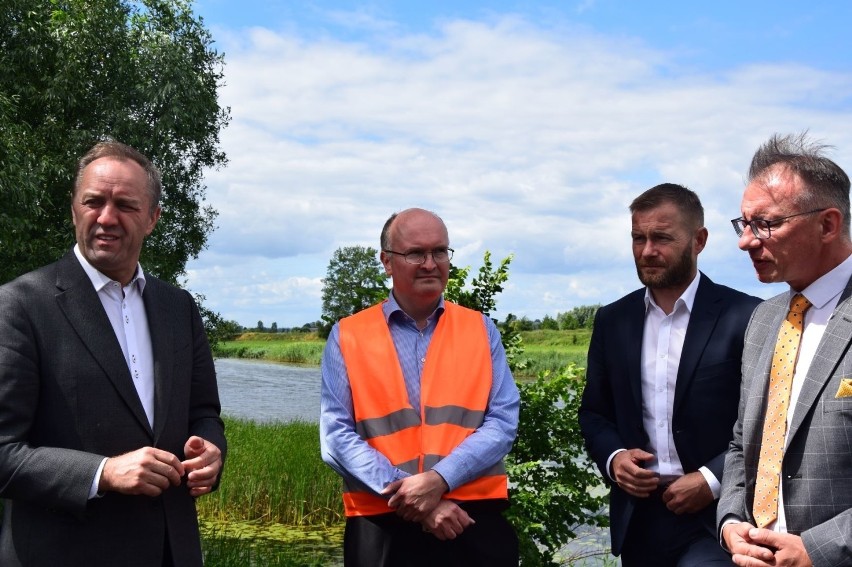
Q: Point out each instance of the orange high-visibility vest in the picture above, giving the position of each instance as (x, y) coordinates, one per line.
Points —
(455, 384)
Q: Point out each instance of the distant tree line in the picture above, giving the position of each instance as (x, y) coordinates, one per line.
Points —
(582, 317)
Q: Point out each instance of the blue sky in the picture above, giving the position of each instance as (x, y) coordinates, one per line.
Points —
(529, 127)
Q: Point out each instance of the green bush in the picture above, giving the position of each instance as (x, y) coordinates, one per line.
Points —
(555, 488)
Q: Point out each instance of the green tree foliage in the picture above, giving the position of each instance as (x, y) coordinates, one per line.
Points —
(582, 317)
(482, 296)
(484, 288)
(355, 279)
(549, 323)
(523, 324)
(73, 72)
(557, 489)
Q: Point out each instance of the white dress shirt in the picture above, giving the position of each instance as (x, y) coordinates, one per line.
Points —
(126, 312)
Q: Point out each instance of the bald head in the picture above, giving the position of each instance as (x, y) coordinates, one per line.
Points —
(401, 219)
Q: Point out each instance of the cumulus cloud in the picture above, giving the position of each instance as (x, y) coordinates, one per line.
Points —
(527, 140)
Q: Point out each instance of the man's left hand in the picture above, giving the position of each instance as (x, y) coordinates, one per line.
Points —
(789, 550)
(688, 494)
(202, 465)
(415, 496)
(447, 521)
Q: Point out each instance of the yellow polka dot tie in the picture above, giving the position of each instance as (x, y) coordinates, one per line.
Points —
(775, 420)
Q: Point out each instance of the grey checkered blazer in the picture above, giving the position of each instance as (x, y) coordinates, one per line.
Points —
(817, 465)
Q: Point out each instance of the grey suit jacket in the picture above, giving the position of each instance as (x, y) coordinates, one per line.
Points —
(817, 465)
(67, 401)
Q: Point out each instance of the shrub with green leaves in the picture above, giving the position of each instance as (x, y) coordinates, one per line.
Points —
(555, 488)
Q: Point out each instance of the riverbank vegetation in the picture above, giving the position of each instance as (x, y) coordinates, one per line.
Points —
(544, 350)
(292, 348)
(277, 503)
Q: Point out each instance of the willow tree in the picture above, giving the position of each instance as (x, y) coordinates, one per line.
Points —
(73, 72)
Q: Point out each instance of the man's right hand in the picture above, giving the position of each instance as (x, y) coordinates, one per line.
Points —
(629, 474)
(146, 471)
(744, 550)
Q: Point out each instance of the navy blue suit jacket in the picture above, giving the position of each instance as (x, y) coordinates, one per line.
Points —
(706, 392)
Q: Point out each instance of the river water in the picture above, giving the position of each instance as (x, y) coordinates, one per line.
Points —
(265, 391)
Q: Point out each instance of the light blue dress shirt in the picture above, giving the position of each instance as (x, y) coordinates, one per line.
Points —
(362, 465)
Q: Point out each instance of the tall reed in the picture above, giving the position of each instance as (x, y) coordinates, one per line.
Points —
(274, 474)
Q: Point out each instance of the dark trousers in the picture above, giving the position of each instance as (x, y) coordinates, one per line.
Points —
(389, 541)
(657, 537)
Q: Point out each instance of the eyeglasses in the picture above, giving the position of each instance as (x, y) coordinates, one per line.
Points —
(762, 228)
(439, 255)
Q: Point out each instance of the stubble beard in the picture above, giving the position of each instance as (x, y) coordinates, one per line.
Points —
(676, 275)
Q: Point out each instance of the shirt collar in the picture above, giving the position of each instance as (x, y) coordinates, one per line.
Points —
(829, 285)
(390, 306)
(99, 280)
(686, 299)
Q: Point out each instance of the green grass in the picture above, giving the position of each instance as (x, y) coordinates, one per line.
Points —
(274, 475)
(547, 350)
(293, 348)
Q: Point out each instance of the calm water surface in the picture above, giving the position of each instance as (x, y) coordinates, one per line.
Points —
(266, 391)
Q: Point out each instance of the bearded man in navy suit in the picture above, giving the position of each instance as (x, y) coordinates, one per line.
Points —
(109, 410)
(662, 386)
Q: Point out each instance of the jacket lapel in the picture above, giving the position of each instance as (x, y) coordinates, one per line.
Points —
(162, 344)
(79, 302)
(702, 321)
(832, 348)
(756, 407)
(634, 329)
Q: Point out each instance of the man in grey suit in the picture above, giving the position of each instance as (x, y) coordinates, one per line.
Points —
(795, 228)
(109, 409)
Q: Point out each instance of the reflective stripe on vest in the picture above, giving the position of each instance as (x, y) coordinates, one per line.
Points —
(455, 384)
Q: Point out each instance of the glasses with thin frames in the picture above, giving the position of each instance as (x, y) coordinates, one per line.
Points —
(762, 228)
(439, 255)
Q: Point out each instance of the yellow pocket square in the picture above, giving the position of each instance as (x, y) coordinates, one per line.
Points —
(845, 389)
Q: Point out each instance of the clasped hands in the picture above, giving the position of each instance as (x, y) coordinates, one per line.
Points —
(757, 547)
(688, 494)
(417, 498)
(150, 471)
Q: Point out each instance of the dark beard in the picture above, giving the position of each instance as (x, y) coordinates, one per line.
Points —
(676, 275)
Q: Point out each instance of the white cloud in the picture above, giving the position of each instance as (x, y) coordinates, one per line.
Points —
(525, 140)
